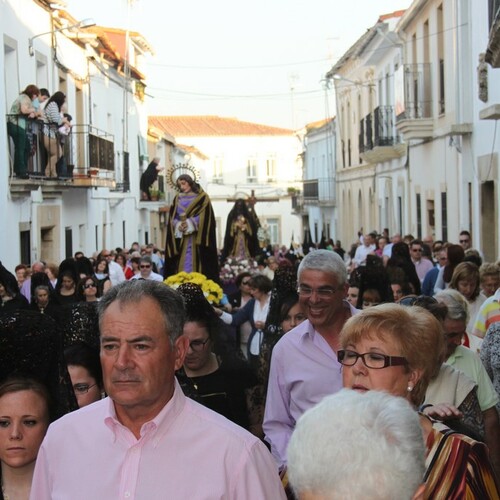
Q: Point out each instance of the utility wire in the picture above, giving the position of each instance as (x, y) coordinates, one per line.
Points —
(233, 96)
(298, 63)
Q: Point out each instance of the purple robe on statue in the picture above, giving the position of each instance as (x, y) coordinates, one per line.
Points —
(185, 199)
(195, 249)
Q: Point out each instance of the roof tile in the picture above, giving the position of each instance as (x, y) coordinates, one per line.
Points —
(206, 126)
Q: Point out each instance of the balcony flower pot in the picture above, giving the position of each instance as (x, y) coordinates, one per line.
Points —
(156, 195)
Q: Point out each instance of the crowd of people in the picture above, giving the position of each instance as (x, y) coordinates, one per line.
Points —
(36, 112)
(371, 373)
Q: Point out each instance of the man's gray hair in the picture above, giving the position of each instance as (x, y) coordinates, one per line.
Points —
(170, 302)
(354, 445)
(39, 263)
(326, 261)
(458, 309)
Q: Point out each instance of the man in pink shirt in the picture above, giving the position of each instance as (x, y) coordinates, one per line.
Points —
(147, 440)
(422, 265)
(304, 365)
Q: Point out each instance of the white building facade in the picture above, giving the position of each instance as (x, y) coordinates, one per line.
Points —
(453, 176)
(243, 160)
(99, 70)
(371, 156)
(417, 140)
(318, 203)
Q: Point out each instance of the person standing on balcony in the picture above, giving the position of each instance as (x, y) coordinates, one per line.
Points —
(44, 97)
(25, 106)
(53, 119)
(148, 178)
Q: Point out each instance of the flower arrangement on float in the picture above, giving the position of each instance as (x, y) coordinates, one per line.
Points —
(232, 267)
(212, 291)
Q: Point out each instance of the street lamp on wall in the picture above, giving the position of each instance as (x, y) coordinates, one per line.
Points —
(85, 23)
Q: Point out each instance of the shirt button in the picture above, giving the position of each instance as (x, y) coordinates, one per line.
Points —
(127, 494)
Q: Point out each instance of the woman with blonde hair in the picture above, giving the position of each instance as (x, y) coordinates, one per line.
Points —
(52, 271)
(465, 279)
(397, 349)
(489, 276)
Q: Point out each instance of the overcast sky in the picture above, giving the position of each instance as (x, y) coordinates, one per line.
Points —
(259, 61)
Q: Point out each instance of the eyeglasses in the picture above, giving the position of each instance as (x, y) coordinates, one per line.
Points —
(464, 241)
(89, 285)
(105, 255)
(416, 249)
(370, 359)
(198, 345)
(322, 293)
(145, 266)
(245, 282)
(82, 388)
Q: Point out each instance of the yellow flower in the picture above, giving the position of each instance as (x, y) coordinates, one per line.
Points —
(212, 291)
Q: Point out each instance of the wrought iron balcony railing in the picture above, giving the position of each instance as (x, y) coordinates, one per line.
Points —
(38, 150)
(320, 191)
(417, 92)
(378, 128)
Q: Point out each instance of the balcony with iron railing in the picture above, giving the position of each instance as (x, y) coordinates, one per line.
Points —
(41, 154)
(156, 191)
(379, 140)
(297, 200)
(319, 191)
(414, 119)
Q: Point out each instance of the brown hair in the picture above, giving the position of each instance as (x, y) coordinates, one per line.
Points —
(54, 268)
(414, 331)
(17, 383)
(31, 90)
(185, 177)
(456, 254)
(466, 271)
(261, 283)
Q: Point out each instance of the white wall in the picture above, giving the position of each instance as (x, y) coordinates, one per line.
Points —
(81, 209)
(235, 151)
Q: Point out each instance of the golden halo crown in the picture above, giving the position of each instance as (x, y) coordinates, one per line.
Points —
(178, 169)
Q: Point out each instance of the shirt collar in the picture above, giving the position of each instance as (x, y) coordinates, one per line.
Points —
(309, 329)
(158, 426)
(457, 353)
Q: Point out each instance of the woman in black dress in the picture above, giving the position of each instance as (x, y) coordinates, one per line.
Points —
(213, 373)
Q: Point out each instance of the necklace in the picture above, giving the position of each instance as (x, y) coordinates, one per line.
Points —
(213, 366)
